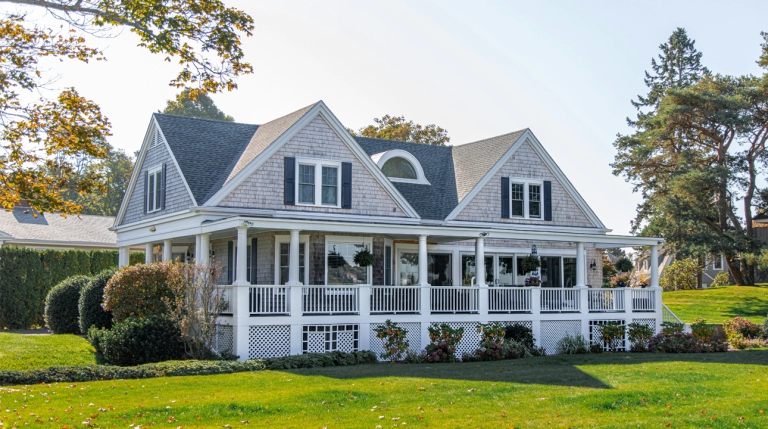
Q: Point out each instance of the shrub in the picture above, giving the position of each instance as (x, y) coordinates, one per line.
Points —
(669, 328)
(621, 280)
(140, 340)
(515, 350)
(701, 330)
(741, 326)
(413, 357)
(613, 334)
(640, 335)
(684, 343)
(91, 313)
(317, 360)
(139, 291)
(681, 275)
(61, 313)
(608, 272)
(596, 348)
(521, 334)
(491, 341)
(102, 260)
(444, 340)
(23, 288)
(721, 279)
(572, 345)
(395, 342)
(764, 330)
(623, 265)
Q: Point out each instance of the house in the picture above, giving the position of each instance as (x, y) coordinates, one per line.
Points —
(285, 206)
(23, 227)
(711, 266)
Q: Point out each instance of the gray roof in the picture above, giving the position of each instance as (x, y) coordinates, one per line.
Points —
(21, 224)
(472, 161)
(206, 150)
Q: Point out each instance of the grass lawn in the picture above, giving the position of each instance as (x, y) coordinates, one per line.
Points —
(20, 352)
(719, 303)
(607, 391)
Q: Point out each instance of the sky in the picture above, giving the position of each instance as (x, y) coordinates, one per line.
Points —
(566, 70)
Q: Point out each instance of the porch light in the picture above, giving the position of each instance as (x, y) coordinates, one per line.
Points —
(484, 234)
(593, 265)
(534, 252)
(246, 223)
(152, 229)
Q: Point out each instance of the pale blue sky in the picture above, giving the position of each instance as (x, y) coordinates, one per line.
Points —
(567, 70)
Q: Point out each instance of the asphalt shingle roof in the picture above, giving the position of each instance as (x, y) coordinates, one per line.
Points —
(472, 161)
(21, 224)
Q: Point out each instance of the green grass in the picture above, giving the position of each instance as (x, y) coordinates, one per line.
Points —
(607, 391)
(719, 303)
(20, 352)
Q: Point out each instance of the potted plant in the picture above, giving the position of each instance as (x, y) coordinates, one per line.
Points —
(533, 281)
(364, 258)
(529, 263)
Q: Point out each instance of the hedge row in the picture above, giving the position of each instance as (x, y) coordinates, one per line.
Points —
(76, 374)
(26, 276)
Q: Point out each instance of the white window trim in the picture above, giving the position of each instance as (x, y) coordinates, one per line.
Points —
(381, 158)
(319, 164)
(286, 239)
(526, 198)
(722, 263)
(150, 172)
(345, 239)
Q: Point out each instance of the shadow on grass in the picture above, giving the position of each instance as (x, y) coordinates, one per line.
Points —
(549, 370)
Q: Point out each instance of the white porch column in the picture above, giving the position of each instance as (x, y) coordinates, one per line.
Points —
(654, 266)
(426, 292)
(580, 266)
(197, 248)
(201, 255)
(149, 249)
(293, 260)
(240, 291)
(480, 275)
(123, 256)
(167, 250)
(655, 287)
(241, 275)
(295, 291)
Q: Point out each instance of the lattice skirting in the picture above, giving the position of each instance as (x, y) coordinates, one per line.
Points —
(224, 340)
(328, 338)
(469, 341)
(413, 336)
(647, 322)
(596, 337)
(269, 341)
(552, 331)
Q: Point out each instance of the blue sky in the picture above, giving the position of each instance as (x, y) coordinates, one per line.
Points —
(567, 70)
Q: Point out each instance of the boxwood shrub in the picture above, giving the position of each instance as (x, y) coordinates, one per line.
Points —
(138, 341)
(91, 313)
(61, 312)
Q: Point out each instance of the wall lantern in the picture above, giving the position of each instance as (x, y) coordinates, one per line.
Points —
(593, 265)
(152, 229)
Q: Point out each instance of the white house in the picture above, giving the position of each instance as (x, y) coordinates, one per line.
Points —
(286, 205)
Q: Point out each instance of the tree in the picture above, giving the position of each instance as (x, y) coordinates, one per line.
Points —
(43, 140)
(114, 172)
(200, 106)
(400, 129)
(623, 265)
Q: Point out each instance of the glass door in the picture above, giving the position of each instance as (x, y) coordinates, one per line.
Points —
(505, 271)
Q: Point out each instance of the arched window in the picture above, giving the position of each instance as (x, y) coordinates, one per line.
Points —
(399, 168)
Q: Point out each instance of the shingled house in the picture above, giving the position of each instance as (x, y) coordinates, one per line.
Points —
(285, 206)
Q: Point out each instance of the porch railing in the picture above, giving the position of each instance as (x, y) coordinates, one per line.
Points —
(269, 300)
(643, 300)
(509, 300)
(455, 299)
(560, 300)
(330, 300)
(606, 300)
(395, 299)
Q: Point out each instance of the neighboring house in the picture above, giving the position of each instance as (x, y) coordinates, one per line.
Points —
(713, 265)
(23, 227)
(285, 206)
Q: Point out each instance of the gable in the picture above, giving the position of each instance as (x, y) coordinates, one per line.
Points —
(263, 189)
(525, 163)
(177, 196)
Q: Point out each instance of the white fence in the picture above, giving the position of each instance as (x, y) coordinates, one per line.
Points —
(643, 300)
(559, 300)
(330, 300)
(509, 300)
(606, 300)
(269, 300)
(395, 299)
(455, 299)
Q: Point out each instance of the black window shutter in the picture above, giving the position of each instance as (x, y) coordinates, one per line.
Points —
(162, 188)
(254, 241)
(505, 197)
(289, 181)
(230, 262)
(146, 190)
(346, 185)
(547, 200)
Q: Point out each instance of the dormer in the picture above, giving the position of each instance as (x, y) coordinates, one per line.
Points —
(400, 166)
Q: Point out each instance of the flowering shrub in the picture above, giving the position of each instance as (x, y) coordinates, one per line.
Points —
(680, 275)
(532, 281)
(684, 343)
(701, 330)
(444, 340)
(743, 334)
(491, 341)
(621, 280)
(139, 291)
(640, 335)
(613, 334)
(721, 279)
(395, 342)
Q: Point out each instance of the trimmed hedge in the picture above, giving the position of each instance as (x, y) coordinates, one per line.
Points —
(61, 313)
(76, 374)
(91, 313)
(138, 341)
(138, 291)
(27, 275)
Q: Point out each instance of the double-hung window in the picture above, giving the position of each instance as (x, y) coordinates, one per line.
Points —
(318, 182)
(534, 201)
(517, 197)
(154, 181)
(526, 198)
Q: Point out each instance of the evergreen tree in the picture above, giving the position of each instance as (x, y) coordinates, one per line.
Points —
(199, 105)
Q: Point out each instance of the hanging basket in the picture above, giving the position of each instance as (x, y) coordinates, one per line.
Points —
(529, 263)
(364, 258)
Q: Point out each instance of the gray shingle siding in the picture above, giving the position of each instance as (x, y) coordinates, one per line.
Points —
(176, 195)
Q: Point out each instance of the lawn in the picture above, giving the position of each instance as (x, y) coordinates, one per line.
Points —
(608, 391)
(719, 303)
(19, 352)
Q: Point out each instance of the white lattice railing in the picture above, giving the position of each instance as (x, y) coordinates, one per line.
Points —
(226, 293)
(269, 300)
(454, 299)
(330, 300)
(509, 300)
(556, 300)
(606, 300)
(643, 300)
(395, 299)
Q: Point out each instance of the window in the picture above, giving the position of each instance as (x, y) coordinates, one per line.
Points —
(409, 269)
(550, 271)
(718, 262)
(399, 168)
(285, 258)
(468, 269)
(534, 200)
(518, 199)
(340, 266)
(155, 178)
(440, 269)
(318, 183)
